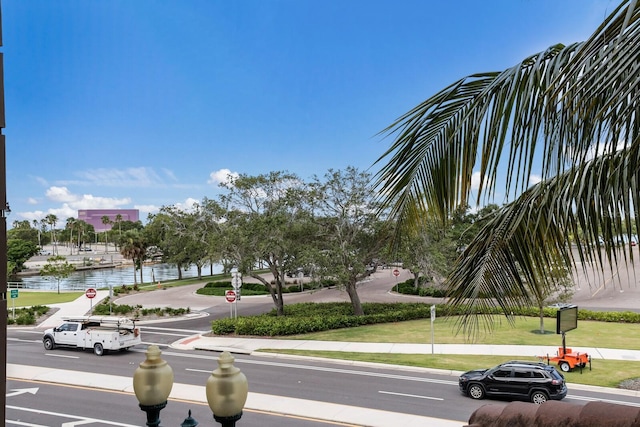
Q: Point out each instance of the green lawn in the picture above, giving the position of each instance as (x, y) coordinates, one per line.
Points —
(525, 331)
(29, 298)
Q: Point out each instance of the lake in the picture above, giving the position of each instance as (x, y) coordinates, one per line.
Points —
(111, 277)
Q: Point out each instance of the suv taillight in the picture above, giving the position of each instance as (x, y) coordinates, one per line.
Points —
(556, 382)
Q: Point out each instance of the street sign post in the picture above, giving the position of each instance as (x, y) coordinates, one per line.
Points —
(231, 297)
(14, 295)
(91, 294)
(433, 318)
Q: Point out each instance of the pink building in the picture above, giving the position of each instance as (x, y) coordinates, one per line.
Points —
(94, 217)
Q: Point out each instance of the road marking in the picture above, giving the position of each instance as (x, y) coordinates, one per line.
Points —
(81, 420)
(19, 391)
(417, 396)
(62, 355)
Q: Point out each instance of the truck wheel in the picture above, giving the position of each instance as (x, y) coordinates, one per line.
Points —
(48, 343)
(98, 350)
(564, 366)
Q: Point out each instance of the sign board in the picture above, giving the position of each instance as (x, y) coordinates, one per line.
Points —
(396, 272)
(236, 279)
(230, 295)
(433, 313)
(14, 293)
(91, 293)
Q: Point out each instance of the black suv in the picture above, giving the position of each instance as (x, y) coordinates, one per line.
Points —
(532, 381)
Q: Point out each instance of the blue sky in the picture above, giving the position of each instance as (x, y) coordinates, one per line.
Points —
(142, 104)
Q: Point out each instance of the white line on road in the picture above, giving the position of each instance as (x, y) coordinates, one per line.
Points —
(61, 355)
(410, 395)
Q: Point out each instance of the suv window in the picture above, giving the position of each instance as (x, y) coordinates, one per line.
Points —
(502, 373)
(522, 374)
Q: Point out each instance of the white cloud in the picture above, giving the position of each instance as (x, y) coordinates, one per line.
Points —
(221, 176)
(60, 194)
(32, 201)
(187, 205)
(475, 180)
(146, 209)
(534, 179)
(130, 177)
(169, 173)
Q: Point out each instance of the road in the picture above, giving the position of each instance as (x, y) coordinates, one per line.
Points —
(398, 390)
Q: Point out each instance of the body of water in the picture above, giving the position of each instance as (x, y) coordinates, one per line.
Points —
(112, 277)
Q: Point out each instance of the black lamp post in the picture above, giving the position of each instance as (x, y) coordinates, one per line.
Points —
(226, 389)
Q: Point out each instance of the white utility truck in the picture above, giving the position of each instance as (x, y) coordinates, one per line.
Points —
(101, 333)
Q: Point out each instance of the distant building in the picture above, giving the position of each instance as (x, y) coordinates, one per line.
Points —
(94, 217)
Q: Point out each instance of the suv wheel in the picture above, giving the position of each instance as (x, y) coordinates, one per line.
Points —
(476, 391)
(539, 397)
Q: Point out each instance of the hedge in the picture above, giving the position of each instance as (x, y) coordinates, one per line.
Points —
(313, 317)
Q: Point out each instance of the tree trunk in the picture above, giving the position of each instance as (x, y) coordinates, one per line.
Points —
(277, 300)
(354, 297)
(199, 267)
(541, 320)
(141, 280)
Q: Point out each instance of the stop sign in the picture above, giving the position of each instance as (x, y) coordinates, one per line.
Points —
(91, 293)
(396, 272)
(230, 296)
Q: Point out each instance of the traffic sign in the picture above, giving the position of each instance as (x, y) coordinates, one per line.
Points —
(396, 272)
(91, 293)
(230, 295)
(14, 293)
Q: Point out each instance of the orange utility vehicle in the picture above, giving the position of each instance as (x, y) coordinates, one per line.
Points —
(567, 359)
(567, 320)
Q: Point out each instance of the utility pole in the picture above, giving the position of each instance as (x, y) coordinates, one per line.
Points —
(4, 209)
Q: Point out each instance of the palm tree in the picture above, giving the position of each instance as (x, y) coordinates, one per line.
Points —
(576, 108)
(36, 225)
(105, 221)
(51, 220)
(134, 247)
(71, 223)
(118, 221)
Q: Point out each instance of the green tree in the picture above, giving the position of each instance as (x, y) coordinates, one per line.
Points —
(18, 252)
(51, 220)
(351, 233)
(22, 230)
(261, 226)
(134, 247)
(106, 221)
(574, 108)
(58, 268)
(70, 226)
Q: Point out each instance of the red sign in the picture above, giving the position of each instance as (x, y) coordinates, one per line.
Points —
(91, 293)
(230, 296)
(396, 272)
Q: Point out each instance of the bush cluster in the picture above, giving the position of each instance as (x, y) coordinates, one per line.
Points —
(408, 288)
(106, 307)
(26, 315)
(313, 317)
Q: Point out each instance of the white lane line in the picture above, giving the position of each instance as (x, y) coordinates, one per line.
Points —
(61, 355)
(417, 396)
